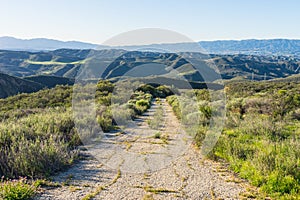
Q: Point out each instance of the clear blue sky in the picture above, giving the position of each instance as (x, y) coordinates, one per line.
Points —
(97, 20)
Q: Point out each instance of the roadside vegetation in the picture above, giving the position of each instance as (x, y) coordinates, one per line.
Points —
(156, 120)
(260, 140)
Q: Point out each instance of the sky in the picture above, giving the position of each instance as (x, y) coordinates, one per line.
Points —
(97, 21)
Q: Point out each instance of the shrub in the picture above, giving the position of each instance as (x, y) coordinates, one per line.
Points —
(280, 183)
(143, 103)
(105, 121)
(148, 89)
(163, 91)
(105, 87)
(37, 145)
(141, 106)
(17, 189)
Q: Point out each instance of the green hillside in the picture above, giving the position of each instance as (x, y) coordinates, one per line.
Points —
(10, 85)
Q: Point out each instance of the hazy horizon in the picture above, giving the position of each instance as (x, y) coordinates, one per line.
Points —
(57, 39)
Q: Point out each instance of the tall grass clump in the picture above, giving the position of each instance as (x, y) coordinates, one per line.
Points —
(37, 145)
(17, 189)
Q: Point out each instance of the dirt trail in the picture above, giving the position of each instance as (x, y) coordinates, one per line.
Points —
(146, 164)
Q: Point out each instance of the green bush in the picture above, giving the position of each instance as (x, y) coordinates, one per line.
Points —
(105, 120)
(163, 91)
(280, 183)
(148, 89)
(17, 189)
(105, 87)
(37, 145)
(143, 103)
(141, 106)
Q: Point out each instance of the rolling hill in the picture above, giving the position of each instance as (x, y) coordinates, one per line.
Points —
(256, 67)
(112, 63)
(24, 63)
(10, 85)
(24, 71)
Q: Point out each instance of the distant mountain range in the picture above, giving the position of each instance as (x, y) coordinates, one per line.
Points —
(256, 47)
(39, 44)
(249, 47)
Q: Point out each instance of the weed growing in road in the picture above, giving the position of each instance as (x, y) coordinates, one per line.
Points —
(157, 135)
